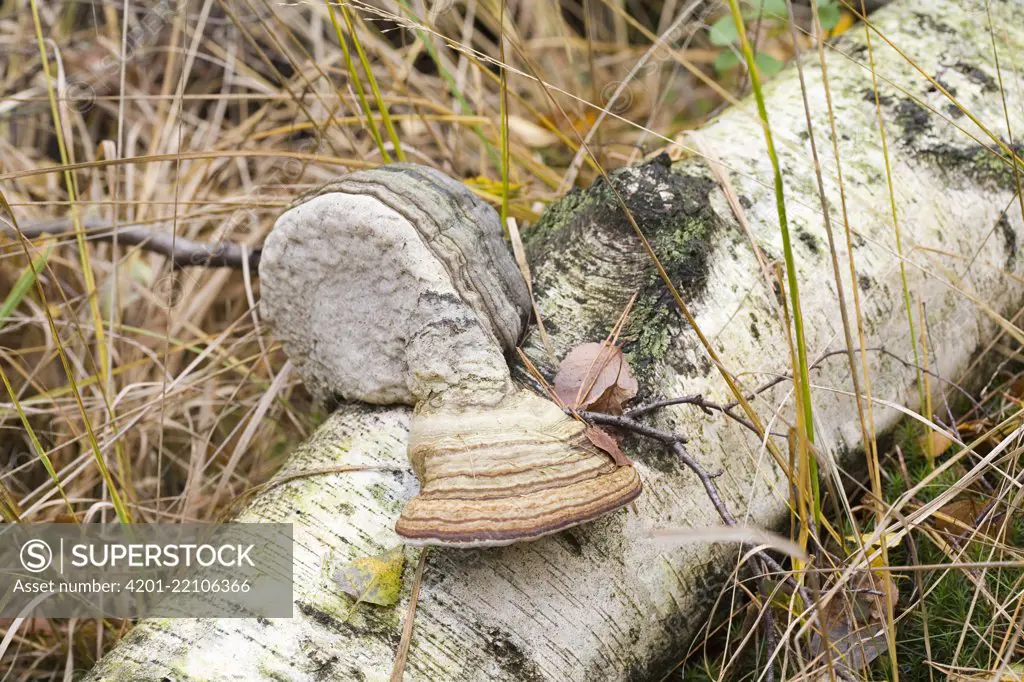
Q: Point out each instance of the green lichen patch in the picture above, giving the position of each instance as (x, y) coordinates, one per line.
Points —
(386, 498)
(595, 242)
(684, 247)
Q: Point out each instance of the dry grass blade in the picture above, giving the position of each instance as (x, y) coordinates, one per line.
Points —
(740, 534)
(122, 512)
(40, 451)
(190, 156)
(576, 388)
(398, 671)
(734, 203)
(125, 122)
(524, 267)
(595, 376)
(278, 385)
(1011, 155)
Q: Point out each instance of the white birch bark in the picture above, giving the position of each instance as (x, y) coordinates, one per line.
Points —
(604, 601)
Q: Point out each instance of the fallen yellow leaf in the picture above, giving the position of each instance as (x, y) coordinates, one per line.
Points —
(934, 443)
(374, 579)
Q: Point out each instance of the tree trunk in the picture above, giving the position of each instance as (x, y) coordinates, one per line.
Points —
(605, 601)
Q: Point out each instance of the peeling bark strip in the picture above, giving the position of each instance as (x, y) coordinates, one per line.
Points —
(603, 601)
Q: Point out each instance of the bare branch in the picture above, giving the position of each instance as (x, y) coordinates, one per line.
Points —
(675, 442)
(183, 252)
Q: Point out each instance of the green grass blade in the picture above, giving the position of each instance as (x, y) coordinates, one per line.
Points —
(371, 123)
(449, 79)
(40, 451)
(87, 270)
(804, 383)
(9, 509)
(122, 512)
(381, 104)
(503, 122)
(22, 285)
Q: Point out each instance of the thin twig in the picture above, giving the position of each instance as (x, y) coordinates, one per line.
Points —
(322, 471)
(626, 422)
(308, 473)
(183, 252)
(708, 481)
(727, 408)
(674, 442)
(697, 399)
(768, 626)
(398, 670)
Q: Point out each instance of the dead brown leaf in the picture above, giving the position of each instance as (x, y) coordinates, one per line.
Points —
(855, 622)
(595, 376)
(606, 441)
(934, 443)
(960, 516)
(1017, 388)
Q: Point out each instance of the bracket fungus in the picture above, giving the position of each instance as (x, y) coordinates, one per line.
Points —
(394, 286)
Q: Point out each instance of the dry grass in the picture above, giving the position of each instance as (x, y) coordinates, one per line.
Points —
(204, 123)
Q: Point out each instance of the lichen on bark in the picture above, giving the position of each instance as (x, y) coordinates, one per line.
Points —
(595, 241)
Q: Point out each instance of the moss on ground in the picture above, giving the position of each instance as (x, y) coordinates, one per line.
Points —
(950, 599)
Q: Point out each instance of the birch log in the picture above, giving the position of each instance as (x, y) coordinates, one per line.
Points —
(603, 601)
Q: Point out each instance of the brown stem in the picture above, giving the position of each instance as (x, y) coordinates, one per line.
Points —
(727, 409)
(675, 442)
(697, 399)
(182, 252)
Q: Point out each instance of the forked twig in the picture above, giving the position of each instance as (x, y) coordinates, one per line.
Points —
(675, 442)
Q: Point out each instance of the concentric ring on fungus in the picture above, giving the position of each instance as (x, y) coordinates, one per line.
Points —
(422, 300)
